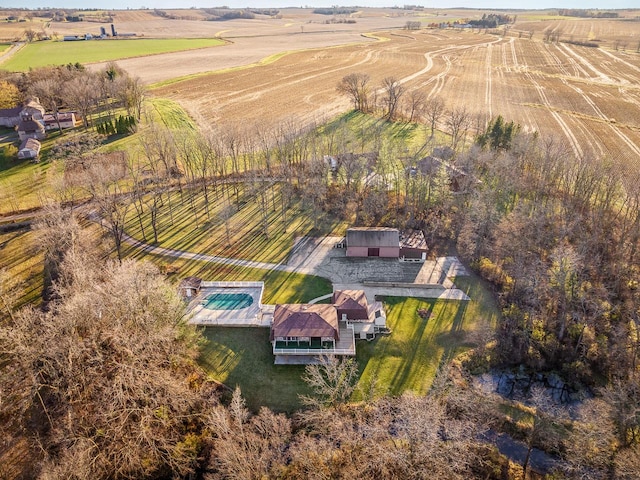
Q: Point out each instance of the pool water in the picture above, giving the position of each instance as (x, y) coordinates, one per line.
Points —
(227, 301)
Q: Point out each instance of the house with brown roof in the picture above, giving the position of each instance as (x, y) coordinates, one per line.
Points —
(61, 120)
(304, 333)
(352, 307)
(31, 123)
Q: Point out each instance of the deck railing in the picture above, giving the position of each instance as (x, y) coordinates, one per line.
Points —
(314, 351)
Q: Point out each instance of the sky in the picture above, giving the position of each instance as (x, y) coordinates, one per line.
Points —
(134, 4)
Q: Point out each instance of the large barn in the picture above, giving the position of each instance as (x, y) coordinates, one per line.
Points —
(386, 242)
(373, 242)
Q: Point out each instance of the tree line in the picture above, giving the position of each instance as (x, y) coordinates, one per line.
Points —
(72, 87)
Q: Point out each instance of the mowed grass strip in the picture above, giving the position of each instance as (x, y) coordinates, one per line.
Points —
(280, 287)
(23, 184)
(23, 264)
(40, 54)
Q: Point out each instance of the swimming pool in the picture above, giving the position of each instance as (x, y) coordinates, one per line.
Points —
(227, 301)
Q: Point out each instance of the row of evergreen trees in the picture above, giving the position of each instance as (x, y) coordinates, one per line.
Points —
(122, 126)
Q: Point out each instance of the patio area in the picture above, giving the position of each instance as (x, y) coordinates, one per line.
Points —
(205, 309)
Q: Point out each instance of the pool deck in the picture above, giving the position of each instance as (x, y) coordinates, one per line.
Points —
(251, 316)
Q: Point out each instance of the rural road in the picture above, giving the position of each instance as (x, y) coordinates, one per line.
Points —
(12, 50)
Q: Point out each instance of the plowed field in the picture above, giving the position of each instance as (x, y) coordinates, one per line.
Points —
(588, 97)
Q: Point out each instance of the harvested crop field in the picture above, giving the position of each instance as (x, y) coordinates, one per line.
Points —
(589, 98)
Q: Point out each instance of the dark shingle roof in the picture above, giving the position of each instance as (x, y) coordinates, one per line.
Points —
(31, 144)
(373, 237)
(30, 126)
(10, 112)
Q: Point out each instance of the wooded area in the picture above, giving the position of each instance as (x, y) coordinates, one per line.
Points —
(102, 379)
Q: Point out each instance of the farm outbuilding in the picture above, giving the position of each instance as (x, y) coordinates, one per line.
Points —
(64, 119)
(10, 117)
(413, 245)
(190, 287)
(30, 148)
(373, 242)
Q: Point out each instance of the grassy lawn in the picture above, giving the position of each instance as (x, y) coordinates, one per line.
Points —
(242, 356)
(407, 360)
(280, 287)
(22, 182)
(40, 54)
(23, 263)
(4, 47)
(184, 225)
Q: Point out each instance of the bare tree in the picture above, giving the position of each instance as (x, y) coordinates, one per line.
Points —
(131, 92)
(332, 381)
(49, 92)
(81, 93)
(416, 105)
(104, 371)
(458, 124)
(226, 213)
(246, 447)
(393, 91)
(356, 86)
(434, 109)
(545, 431)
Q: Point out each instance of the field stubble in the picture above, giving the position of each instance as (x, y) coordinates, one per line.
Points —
(587, 97)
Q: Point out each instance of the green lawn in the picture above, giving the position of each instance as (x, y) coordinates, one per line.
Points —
(39, 54)
(23, 262)
(22, 182)
(4, 47)
(184, 225)
(280, 287)
(242, 357)
(406, 360)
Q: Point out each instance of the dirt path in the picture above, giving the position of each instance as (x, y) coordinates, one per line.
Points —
(11, 52)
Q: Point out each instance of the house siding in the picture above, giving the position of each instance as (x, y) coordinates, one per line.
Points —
(357, 251)
(412, 252)
(390, 252)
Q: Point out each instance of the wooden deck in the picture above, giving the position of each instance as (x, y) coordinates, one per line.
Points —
(345, 346)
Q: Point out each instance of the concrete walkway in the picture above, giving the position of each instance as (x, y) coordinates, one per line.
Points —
(319, 299)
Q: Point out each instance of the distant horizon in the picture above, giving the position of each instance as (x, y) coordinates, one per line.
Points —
(526, 5)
